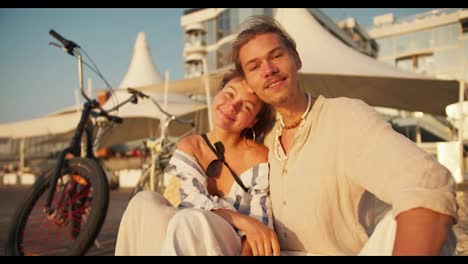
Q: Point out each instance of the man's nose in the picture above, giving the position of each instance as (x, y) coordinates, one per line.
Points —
(269, 68)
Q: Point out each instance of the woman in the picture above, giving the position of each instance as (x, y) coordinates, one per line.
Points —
(224, 183)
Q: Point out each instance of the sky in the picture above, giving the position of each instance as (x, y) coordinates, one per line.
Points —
(37, 79)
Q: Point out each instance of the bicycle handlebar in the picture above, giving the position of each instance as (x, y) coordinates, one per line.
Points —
(111, 118)
(171, 117)
(67, 44)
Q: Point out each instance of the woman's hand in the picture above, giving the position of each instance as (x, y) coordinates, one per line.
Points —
(262, 239)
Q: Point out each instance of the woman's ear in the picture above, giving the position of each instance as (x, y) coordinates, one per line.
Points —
(252, 124)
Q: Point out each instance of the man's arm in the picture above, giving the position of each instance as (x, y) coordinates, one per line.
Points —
(421, 232)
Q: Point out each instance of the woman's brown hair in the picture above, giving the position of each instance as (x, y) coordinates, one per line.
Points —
(266, 117)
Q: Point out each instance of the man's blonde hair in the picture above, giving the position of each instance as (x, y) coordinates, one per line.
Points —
(257, 25)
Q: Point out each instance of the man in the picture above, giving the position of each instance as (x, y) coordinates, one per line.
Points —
(331, 158)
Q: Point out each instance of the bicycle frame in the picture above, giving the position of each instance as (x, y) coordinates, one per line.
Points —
(159, 148)
(85, 125)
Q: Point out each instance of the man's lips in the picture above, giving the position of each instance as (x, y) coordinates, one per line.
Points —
(274, 83)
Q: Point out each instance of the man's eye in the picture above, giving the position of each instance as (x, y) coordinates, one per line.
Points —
(278, 55)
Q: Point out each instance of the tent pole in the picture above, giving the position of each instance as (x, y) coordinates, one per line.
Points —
(207, 92)
(460, 130)
(21, 156)
(166, 88)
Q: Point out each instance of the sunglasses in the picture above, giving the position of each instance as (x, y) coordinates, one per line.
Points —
(214, 168)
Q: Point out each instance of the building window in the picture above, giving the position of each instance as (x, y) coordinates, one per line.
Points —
(210, 26)
(224, 25)
(222, 55)
(448, 60)
(415, 42)
(385, 47)
(403, 44)
(446, 35)
(464, 26)
(420, 63)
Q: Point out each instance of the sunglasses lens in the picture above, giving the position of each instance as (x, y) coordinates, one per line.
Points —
(219, 148)
(213, 169)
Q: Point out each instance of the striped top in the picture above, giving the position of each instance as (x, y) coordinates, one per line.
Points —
(194, 193)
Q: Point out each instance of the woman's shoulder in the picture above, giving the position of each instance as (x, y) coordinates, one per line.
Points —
(257, 152)
(189, 144)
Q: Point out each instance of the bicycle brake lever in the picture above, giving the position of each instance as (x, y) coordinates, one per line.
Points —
(134, 99)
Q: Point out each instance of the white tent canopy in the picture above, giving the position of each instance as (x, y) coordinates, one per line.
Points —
(43, 126)
(333, 69)
(142, 70)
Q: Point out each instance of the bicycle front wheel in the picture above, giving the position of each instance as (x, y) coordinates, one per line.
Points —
(79, 207)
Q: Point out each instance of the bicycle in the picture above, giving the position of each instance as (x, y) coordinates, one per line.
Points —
(161, 150)
(66, 207)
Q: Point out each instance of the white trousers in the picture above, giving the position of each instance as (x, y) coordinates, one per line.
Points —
(151, 226)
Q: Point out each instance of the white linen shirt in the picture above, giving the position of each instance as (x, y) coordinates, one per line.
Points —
(343, 154)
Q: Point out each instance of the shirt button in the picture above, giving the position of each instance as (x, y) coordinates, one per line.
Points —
(283, 202)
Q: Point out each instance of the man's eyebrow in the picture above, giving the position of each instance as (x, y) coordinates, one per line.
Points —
(269, 53)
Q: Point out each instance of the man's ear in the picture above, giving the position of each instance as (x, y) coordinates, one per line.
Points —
(298, 61)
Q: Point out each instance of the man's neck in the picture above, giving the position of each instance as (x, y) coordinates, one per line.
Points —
(292, 110)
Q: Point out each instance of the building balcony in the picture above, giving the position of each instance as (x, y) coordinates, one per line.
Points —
(194, 48)
(194, 57)
(194, 28)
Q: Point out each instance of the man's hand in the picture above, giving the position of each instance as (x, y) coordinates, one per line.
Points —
(246, 250)
(262, 239)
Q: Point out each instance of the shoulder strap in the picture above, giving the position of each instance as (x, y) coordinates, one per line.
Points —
(220, 157)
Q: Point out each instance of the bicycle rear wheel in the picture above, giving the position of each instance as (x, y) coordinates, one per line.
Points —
(80, 206)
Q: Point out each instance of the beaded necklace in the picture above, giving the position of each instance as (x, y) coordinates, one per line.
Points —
(296, 124)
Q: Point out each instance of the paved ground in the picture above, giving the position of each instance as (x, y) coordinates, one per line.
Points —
(10, 196)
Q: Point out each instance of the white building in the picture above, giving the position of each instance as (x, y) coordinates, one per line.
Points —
(433, 43)
(209, 33)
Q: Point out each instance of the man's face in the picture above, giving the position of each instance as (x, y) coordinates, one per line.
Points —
(270, 68)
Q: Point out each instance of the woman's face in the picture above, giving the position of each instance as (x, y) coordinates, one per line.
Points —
(234, 107)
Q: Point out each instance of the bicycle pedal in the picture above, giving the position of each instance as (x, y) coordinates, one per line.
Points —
(97, 244)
